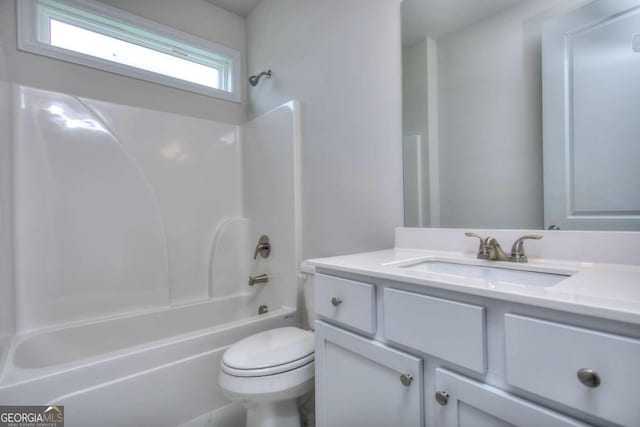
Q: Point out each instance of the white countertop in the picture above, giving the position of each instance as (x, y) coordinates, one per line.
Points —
(610, 291)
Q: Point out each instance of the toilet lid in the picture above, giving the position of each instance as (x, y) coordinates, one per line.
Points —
(270, 352)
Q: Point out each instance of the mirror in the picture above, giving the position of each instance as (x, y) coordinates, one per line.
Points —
(521, 114)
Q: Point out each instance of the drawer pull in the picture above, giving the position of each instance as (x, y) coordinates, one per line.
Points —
(442, 397)
(589, 377)
(336, 301)
(406, 379)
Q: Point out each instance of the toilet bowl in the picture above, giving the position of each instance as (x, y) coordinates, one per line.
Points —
(268, 372)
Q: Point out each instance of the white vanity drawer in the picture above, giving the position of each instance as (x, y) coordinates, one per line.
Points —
(442, 328)
(544, 358)
(463, 402)
(346, 302)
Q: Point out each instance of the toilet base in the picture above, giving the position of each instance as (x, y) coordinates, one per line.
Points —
(283, 413)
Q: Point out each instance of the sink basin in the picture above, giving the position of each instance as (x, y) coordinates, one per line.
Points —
(490, 274)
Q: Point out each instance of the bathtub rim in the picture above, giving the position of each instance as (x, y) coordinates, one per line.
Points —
(20, 375)
(28, 333)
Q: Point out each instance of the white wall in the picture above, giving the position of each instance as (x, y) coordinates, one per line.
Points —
(415, 124)
(341, 59)
(415, 89)
(196, 17)
(490, 111)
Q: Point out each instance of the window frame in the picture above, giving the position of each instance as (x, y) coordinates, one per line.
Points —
(176, 43)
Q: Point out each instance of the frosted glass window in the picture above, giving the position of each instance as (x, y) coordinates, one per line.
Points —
(93, 34)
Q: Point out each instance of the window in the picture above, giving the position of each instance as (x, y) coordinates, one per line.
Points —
(90, 33)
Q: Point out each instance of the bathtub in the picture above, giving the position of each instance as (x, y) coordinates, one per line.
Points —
(164, 361)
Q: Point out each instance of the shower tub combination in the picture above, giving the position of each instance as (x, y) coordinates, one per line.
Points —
(154, 368)
(128, 288)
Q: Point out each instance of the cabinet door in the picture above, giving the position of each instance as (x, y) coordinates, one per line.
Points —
(360, 382)
(473, 404)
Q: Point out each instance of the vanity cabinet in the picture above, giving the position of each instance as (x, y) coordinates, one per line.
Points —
(348, 303)
(361, 382)
(449, 330)
(463, 402)
(591, 371)
(397, 354)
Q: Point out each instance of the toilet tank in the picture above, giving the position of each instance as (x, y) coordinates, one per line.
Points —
(308, 278)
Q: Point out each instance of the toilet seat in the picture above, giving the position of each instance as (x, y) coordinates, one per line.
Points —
(269, 353)
(271, 370)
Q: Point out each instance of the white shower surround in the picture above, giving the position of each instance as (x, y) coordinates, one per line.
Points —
(134, 235)
(116, 206)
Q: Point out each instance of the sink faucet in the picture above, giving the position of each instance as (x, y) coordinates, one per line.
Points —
(490, 249)
(495, 251)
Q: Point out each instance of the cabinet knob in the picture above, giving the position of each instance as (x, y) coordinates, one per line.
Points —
(442, 397)
(589, 377)
(336, 301)
(406, 379)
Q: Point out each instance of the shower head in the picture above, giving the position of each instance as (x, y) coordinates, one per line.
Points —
(253, 80)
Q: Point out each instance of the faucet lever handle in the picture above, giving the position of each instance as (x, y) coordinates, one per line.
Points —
(263, 247)
(483, 251)
(517, 250)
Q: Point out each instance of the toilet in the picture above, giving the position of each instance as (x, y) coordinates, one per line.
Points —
(268, 372)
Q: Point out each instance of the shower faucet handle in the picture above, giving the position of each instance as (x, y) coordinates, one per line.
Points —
(263, 247)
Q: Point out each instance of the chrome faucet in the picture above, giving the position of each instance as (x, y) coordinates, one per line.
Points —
(491, 250)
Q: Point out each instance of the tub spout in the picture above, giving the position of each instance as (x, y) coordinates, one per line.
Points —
(260, 279)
